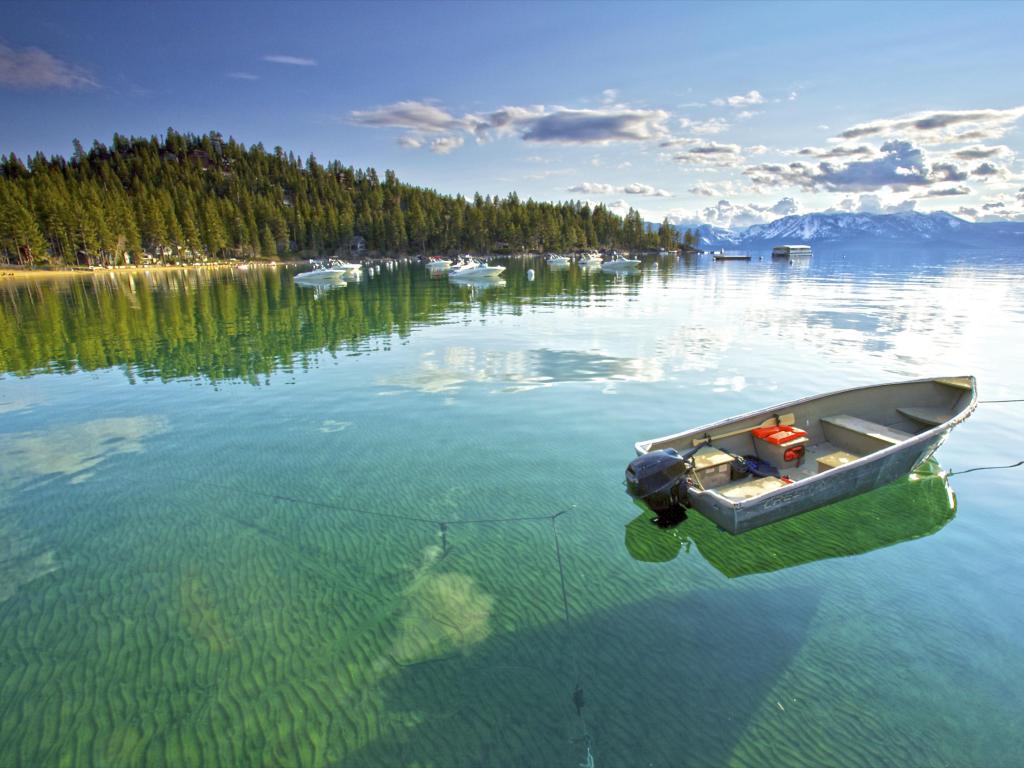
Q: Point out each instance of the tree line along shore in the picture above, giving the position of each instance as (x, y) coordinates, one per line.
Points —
(187, 198)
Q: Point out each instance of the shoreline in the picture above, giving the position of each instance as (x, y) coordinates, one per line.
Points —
(14, 273)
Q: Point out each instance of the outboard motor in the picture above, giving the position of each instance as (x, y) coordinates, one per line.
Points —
(658, 479)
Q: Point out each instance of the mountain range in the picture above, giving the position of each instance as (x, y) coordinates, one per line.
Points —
(906, 228)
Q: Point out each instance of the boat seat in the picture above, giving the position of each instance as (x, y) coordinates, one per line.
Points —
(749, 489)
(835, 459)
(870, 429)
(961, 383)
(932, 417)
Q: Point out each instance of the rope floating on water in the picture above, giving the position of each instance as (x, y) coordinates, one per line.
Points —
(979, 469)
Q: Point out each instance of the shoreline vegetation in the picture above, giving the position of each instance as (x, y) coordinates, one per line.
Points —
(21, 272)
(190, 198)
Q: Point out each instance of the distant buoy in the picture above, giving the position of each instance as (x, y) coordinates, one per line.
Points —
(529, 274)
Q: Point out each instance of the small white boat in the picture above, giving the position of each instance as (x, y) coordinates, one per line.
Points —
(347, 266)
(723, 256)
(471, 268)
(556, 260)
(438, 265)
(591, 259)
(322, 274)
(620, 263)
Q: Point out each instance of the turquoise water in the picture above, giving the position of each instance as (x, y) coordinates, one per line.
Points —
(246, 523)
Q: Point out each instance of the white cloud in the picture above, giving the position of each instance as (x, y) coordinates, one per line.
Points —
(874, 204)
(897, 165)
(410, 142)
(941, 127)
(35, 68)
(294, 61)
(946, 192)
(539, 124)
(746, 114)
(242, 76)
(593, 188)
(982, 152)
(710, 153)
(988, 170)
(415, 115)
(647, 190)
(714, 125)
(609, 95)
(636, 188)
(703, 189)
(745, 100)
(591, 126)
(443, 145)
(728, 214)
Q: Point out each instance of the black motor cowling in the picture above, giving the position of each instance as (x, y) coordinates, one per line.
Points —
(658, 479)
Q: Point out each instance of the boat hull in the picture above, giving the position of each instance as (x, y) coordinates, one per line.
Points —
(322, 277)
(884, 404)
(836, 485)
(476, 273)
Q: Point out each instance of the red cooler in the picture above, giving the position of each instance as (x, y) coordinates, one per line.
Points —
(781, 446)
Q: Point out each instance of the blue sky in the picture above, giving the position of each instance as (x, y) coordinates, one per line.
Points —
(715, 112)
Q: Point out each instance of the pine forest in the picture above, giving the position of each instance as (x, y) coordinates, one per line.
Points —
(190, 198)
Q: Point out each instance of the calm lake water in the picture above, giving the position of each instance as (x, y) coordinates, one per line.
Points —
(248, 523)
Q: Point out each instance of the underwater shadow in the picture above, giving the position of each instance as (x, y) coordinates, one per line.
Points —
(911, 508)
(666, 682)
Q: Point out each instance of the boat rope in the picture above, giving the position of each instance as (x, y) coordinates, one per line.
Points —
(1019, 400)
(443, 524)
(979, 469)
(577, 693)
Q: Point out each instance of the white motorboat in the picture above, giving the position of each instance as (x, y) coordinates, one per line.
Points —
(620, 264)
(555, 260)
(345, 266)
(438, 265)
(471, 268)
(591, 259)
(322, 274)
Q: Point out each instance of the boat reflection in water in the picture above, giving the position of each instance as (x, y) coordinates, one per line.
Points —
(911, 508)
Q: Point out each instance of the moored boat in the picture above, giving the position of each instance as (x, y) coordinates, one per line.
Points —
(723, 256)
(768, 465)
(323, 273)
(470, 268)
(620, 263)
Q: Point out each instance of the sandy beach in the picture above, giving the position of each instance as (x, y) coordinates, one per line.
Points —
(24, 273)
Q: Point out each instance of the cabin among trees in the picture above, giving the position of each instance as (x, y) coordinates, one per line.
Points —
(186, 197)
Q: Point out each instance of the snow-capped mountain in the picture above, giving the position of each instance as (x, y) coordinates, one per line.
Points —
(908, 228)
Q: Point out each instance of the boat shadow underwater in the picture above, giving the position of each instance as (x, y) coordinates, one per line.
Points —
(911, 508)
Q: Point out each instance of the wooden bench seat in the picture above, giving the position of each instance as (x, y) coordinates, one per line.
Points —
(748, 489)
(878, 432)
(931, 417)
(835, 459)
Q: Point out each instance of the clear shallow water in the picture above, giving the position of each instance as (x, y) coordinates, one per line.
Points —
(221, 502)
